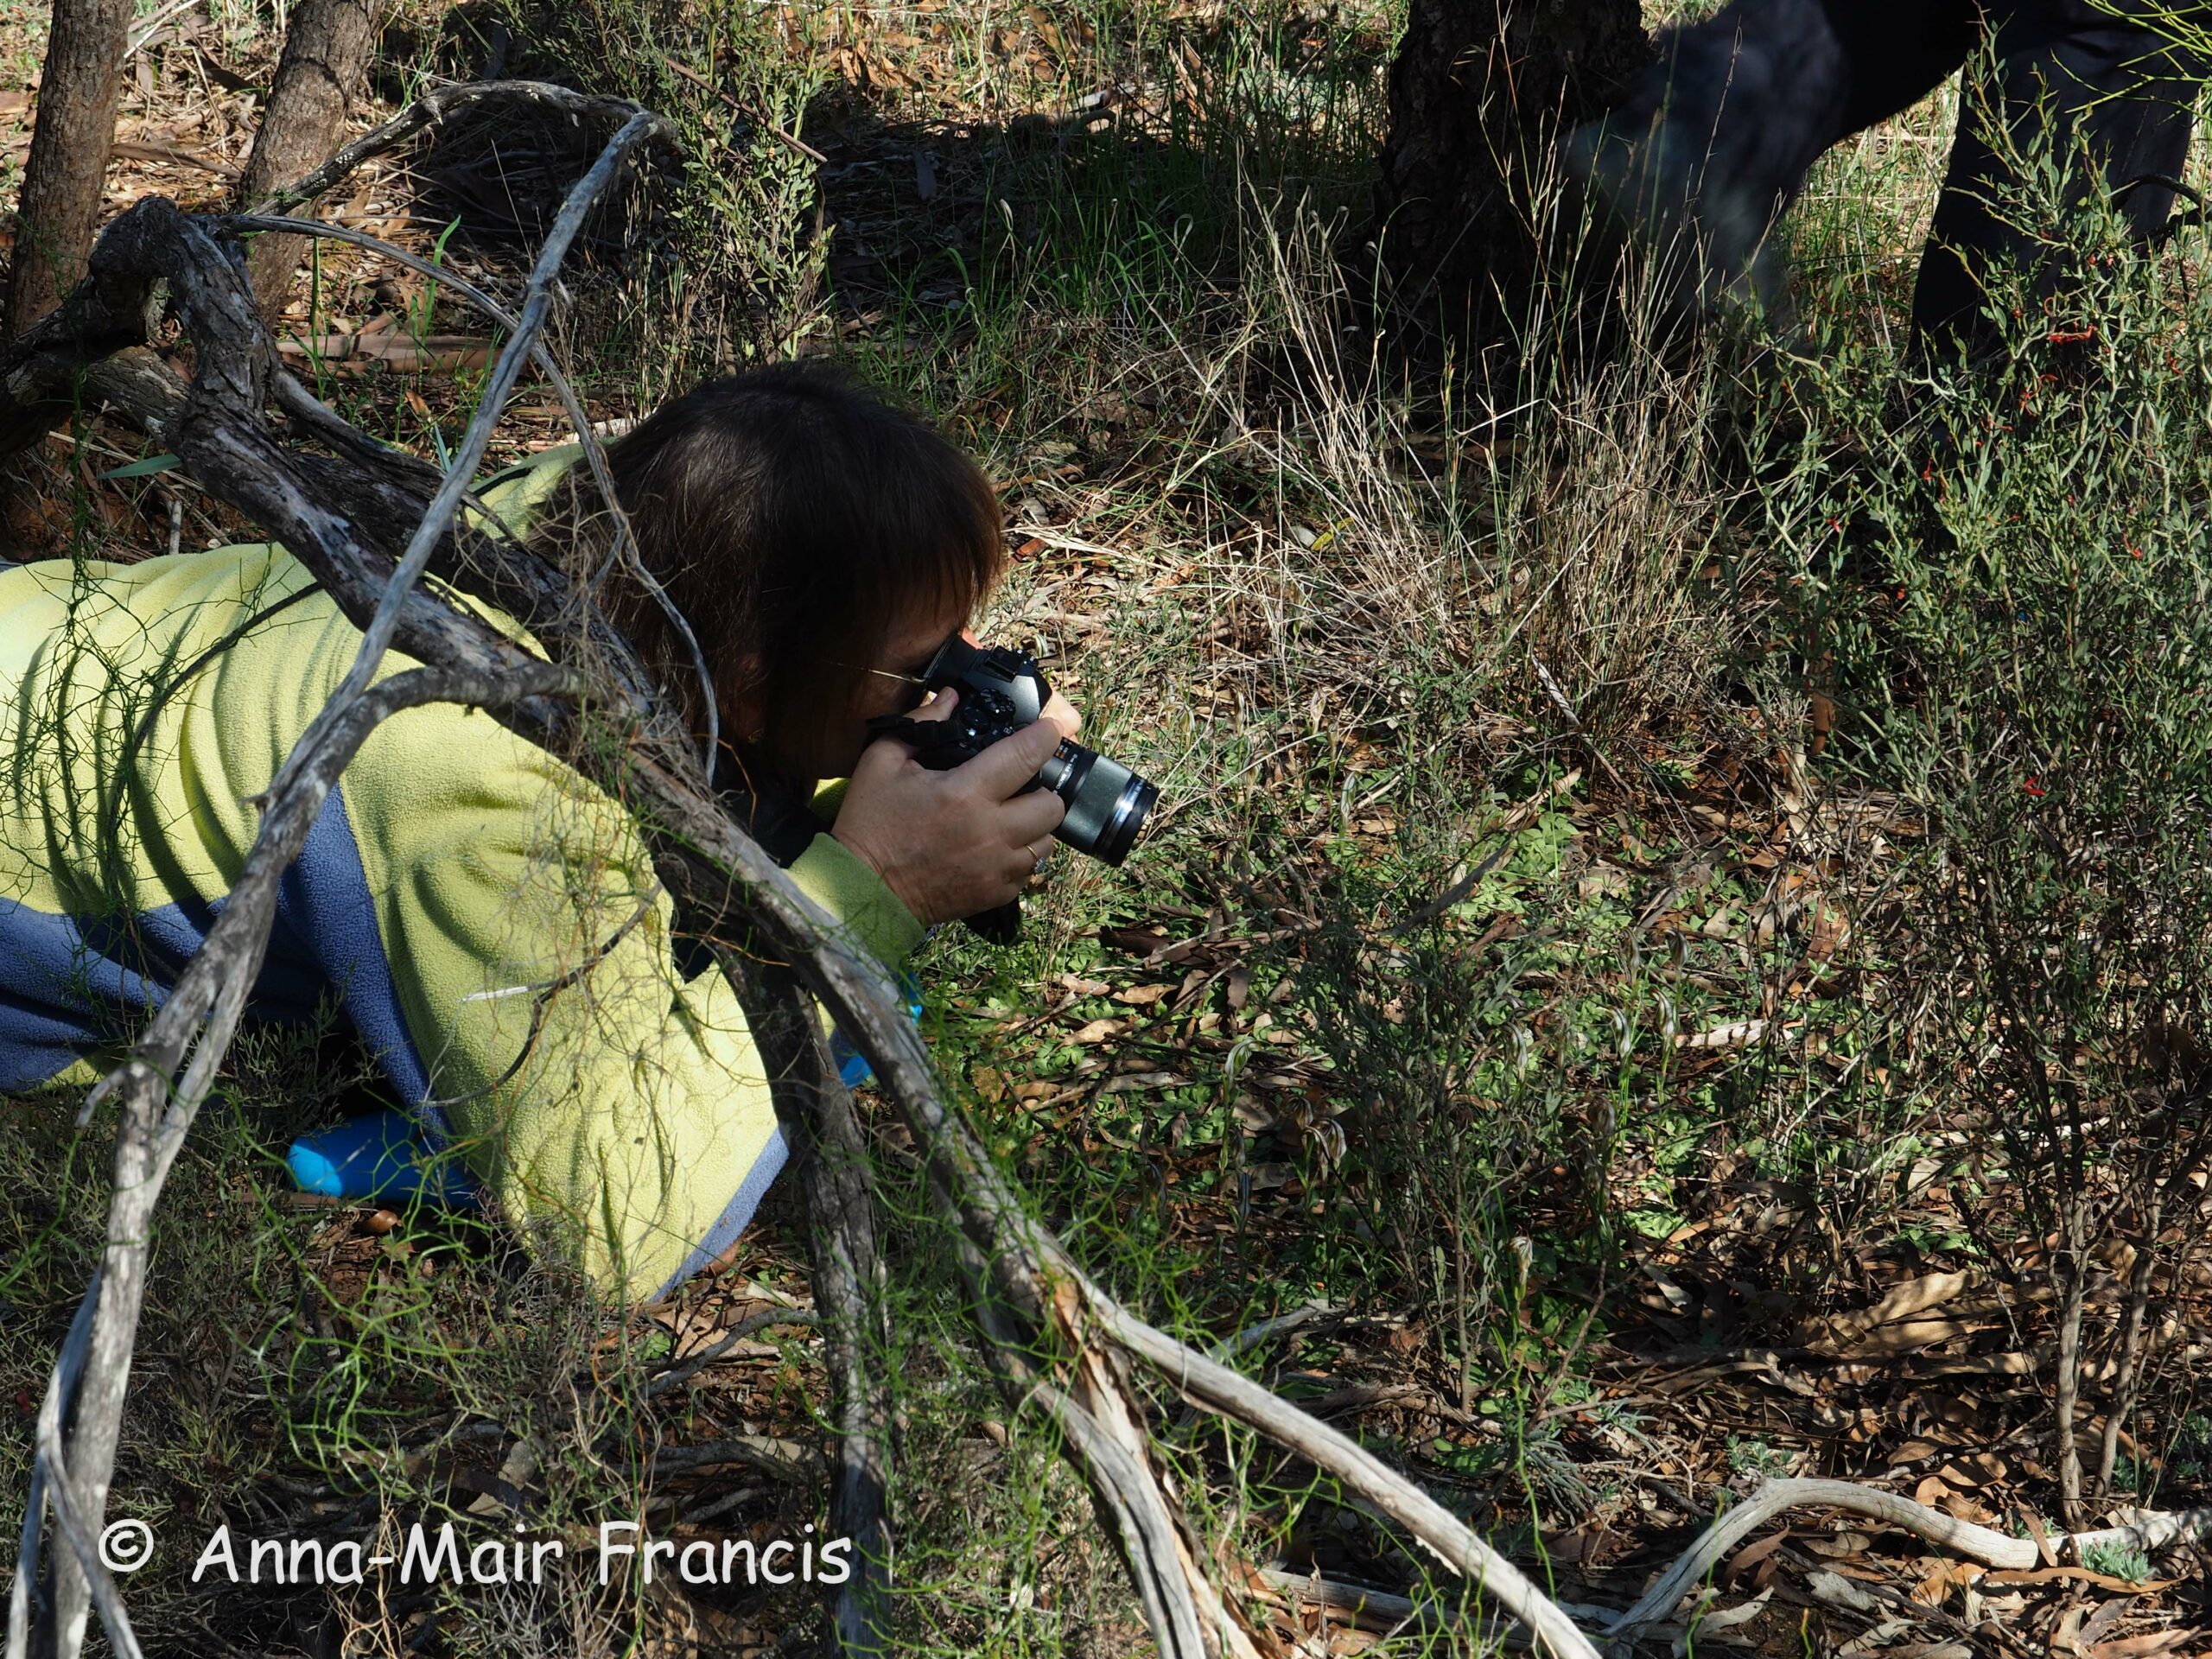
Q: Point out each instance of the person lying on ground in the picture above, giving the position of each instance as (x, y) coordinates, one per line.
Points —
(487, 921)
(1715, 139)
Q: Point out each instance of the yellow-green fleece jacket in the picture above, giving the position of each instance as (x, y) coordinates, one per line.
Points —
(621, 1119)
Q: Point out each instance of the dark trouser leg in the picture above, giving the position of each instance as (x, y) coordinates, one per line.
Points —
(1715, 139)
(1766, 85)
(2110, 86)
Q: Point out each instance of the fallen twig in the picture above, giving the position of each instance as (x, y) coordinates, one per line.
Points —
(2149, 1532)
(391, 348)
(1266, 1331)
(785, 1459)
(138, 150)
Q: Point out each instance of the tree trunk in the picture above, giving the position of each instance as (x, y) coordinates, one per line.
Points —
(61, 206)
(325, 62)
(1480, 91)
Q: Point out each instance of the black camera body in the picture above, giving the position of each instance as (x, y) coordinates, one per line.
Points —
(1000, 692)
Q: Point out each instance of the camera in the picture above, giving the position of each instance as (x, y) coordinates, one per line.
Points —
(1001, 692)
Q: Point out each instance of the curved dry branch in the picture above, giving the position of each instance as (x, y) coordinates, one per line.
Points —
(81, 1536)
(2149, 1532)
(377, 634)
(676, 1376)
(25, 1594)
(1234, 1394)
(1142, 1531)
(302, 403)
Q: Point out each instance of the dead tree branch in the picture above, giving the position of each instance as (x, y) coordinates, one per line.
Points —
(2147, 1532)
(429, 111)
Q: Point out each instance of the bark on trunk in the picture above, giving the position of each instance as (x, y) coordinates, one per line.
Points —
(1479, 93)
(81, 83)
(321, 72)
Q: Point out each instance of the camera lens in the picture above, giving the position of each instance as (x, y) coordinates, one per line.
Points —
(1106, 801)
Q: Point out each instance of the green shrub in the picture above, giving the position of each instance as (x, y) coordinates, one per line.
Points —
(2003, 571)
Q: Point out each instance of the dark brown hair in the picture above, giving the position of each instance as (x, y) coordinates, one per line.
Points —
(794, 516)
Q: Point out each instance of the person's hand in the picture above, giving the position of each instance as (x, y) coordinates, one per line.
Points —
(952, 843)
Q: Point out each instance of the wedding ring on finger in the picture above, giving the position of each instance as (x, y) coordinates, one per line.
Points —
(1037, 866)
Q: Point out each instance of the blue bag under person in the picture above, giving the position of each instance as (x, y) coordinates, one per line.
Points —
(379, 1157)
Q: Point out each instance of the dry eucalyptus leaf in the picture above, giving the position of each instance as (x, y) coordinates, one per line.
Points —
(1143, 996)
(1959, 1505)
(1752, 1555)
(1830, 932)
(2099, 1624)
(1836, 1545)
(2147, 1645)
(1943, 1578)
(2080, 1575)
